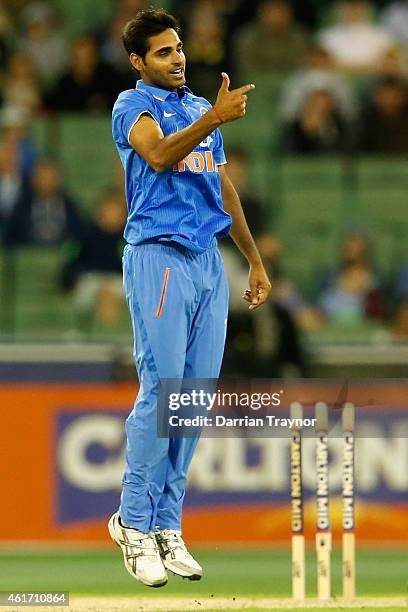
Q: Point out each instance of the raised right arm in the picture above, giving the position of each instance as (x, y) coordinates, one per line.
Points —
(162, 152)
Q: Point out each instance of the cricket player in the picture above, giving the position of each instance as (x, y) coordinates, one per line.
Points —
(180, 200)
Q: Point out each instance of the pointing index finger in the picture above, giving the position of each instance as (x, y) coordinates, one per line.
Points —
(245, 88)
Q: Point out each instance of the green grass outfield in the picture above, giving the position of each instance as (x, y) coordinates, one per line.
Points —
(236, 573)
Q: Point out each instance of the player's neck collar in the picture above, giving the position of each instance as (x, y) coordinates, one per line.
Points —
(162, 94)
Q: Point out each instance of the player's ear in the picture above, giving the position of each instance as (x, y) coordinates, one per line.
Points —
(136, 61)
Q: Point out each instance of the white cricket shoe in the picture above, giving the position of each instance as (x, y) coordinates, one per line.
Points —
(140, 553)
(175, 555)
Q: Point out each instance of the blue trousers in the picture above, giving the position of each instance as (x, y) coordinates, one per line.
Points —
(178, 301)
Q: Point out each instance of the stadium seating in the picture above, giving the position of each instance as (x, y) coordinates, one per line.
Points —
(311, 202)
(88, 155)
(381, 199)
(310, 217)
(82, 16)
(42, 311)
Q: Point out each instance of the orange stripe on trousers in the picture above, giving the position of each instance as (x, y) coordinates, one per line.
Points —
(163, 292)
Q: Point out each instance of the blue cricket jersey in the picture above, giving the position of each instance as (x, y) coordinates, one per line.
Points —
(183, 203)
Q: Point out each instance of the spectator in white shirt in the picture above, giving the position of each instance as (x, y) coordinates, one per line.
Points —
(395, 19)
(355, 43)
(43, 42)
(318, 74)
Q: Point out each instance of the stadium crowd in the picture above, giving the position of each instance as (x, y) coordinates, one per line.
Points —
(344, 73)
(347, 63)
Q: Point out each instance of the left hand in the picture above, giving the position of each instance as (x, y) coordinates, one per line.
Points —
(260, 287)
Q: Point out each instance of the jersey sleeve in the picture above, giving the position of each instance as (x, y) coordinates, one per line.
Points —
(127, 112)
(219, 153)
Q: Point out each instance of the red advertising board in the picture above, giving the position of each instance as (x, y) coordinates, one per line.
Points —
(61, 461)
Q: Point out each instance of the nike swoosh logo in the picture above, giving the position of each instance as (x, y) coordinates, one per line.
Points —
(168, 114)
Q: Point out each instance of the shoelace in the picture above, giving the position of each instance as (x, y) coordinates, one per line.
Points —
(172, 539)
(137, 547)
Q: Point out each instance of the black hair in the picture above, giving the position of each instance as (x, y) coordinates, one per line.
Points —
(136, 34)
